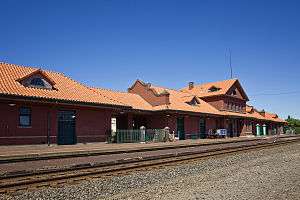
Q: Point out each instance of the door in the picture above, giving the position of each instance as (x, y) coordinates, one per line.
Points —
(66, 127)
(202, 128)
(230, 128)
(180, 128)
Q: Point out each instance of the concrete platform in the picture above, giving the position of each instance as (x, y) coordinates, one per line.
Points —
(40, 152)
(112, 156)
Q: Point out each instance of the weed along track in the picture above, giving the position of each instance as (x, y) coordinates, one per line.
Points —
(19, 182)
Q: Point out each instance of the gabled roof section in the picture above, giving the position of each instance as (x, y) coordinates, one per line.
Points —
(249, 109)
(190, 98)
(133, 100)
(273, 117)
(153, 95)
(223, 87)
(254, 113)
(157, 91)
(213, 89)
(36, 72)
(66, 89)
(178, 102)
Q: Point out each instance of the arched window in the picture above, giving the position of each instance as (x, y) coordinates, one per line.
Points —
(213, 89)
(37, 82)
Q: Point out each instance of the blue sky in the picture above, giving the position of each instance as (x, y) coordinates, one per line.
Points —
(169, 43)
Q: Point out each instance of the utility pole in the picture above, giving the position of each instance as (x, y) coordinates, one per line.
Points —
(230, 64)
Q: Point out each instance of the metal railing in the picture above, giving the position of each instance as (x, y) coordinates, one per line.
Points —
(156, 135)
(139, 135)
(196, 135)
(128, 136)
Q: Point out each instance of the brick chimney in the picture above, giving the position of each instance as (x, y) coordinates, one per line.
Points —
(191, 85)
(148, 85)
(262, 112)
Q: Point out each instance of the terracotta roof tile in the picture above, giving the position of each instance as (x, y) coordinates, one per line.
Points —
(66, 89)
(129, 99)
(178, 102)
(253, 113)
(202, 90)
(273, 117)
(70, 90)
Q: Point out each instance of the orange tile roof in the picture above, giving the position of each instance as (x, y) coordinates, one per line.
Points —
(66, 89)
(178, 102)
(202, 90)
(249, 108)
(252, 113)
(129, 99)
(273, 117)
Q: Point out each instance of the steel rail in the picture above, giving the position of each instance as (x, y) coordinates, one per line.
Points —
(83, 153)
(11, 184)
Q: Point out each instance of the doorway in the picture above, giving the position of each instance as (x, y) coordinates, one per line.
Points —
(66, 128)
(180, 128)
(202, 128)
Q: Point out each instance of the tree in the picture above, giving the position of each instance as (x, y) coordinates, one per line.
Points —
(293, 123)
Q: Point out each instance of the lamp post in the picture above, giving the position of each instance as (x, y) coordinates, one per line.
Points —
(264, 130)
(257, 130)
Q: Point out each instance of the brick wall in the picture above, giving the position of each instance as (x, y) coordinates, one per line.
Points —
(146, 93)
(210, 123)
(191, 124)
(91, 124)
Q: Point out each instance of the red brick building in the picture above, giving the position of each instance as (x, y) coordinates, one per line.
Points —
(39, 106)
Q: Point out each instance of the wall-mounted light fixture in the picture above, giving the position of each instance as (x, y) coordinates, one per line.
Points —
(11, 104)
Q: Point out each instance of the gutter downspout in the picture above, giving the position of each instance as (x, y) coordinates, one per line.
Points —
(48, 127)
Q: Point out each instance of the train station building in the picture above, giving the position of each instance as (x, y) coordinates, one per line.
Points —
(40, 106)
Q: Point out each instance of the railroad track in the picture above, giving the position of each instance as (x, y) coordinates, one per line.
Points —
(21, 182)
(79, 153)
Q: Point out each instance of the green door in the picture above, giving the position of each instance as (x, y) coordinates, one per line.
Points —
(180, 128)
(66, 127)
(261, 130)
(202, 128)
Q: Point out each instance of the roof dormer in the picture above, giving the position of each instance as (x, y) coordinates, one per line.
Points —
(153, 95)
(191, 100)
(262, 112)
(213, 89)
(37, 79)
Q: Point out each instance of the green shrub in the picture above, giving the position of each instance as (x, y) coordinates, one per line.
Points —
(297, 130)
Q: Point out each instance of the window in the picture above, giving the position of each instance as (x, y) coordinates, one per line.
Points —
(37, 82)
(25, 117)
(213, 89)
(233, 93)
(194, 102)
(37, 79)
(202, 126)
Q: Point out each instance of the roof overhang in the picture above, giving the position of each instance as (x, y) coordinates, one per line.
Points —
(58, 101)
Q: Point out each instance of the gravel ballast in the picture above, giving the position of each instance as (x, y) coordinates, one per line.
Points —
(272, 173)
